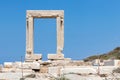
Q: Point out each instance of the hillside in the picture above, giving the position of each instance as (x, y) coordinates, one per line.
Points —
(114, 54)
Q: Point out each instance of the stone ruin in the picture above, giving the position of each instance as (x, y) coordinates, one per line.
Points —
(33, 62)
(33, 68)
(31, 14)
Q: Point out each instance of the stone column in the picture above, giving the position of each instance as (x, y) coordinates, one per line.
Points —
(62, 33)
(58, 36)
(30, 35)
(27, 33)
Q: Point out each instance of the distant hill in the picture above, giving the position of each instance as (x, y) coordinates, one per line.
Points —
(114, 54)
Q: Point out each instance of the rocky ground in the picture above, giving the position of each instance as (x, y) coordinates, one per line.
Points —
(46, 76)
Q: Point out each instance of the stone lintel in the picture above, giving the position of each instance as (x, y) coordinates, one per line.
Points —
(55, 56)
(45, 13)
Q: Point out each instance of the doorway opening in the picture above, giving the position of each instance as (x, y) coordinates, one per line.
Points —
(45, 40)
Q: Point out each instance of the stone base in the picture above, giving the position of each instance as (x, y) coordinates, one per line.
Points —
(55, 56)
(33, 57)
(26, 65)
(29, 65)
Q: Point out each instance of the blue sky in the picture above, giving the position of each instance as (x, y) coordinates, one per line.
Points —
(91, 27)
